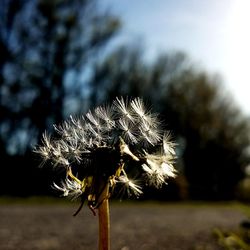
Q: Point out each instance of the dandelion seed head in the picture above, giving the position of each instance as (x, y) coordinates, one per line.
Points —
(128, 130)
(168, 170)
(168, 145)
(154, 174)
(122, 109)
(100, 147)
(129, 186)
(69, 188)
(105, 113)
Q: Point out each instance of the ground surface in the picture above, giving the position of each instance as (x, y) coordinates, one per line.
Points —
(136, 226)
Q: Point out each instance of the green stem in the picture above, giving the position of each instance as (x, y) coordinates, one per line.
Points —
(104, 220)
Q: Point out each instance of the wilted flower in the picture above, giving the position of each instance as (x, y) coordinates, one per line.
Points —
(97, 150)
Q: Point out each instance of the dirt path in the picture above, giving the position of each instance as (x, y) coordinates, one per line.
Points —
(139, 227)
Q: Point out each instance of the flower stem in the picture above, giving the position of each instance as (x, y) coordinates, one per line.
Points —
(104, 221)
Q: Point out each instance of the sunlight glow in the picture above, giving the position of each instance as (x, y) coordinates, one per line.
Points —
(238, 43)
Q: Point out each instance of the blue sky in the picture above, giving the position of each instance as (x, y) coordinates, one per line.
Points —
(215, 34)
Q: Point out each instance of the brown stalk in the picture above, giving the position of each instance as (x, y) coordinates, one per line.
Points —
(104, 220)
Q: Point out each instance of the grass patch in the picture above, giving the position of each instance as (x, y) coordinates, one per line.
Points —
(53, 200)
(33, 200)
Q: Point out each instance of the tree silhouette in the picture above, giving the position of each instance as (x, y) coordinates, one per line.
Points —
(47, 49)
(213, 134)
(45, 43)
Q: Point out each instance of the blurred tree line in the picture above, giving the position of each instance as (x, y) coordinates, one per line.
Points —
(54, 63)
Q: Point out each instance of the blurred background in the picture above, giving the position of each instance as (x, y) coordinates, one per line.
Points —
(187, 60)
